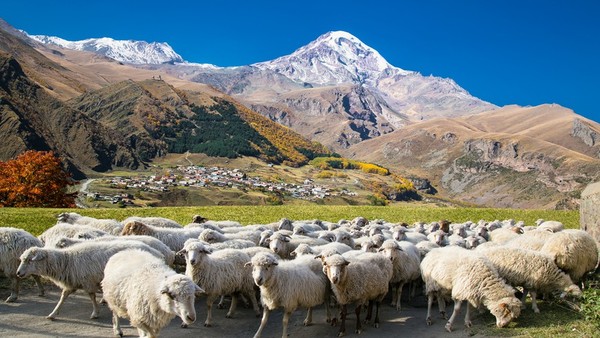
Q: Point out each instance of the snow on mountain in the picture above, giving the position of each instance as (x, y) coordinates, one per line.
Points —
(127, 51)
(333, 58)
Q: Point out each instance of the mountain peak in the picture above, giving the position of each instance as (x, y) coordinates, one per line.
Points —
(127, 51)
(333, 58)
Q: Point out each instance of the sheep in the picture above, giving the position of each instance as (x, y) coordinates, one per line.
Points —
(78, 267)
(174, 238)
(466, 275)
(212, 236)
(305, 249)
(345, 237)
(287, 284)
(265, 236)
(283, 245)
(534, 271)
(553, 226)
(13, 242)
(473, 241)
(402, 234)
(574, 251)
(503, 235)
(152, 242)
(221, 272)
(159, 222)
(438, 237)
(349, 284)
(424, 247)
(110, 226)
(456, 240)
(140, 287)
(405, 259)
(60, 230)
(531, 240)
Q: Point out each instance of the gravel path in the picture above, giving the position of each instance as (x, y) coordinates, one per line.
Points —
(26, 318)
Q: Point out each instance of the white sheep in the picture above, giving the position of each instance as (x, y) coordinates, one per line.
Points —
(221, 272)
(438, 237)
(345, 237)
(424, 247)
(60, 230)
(503, 235)
(534, 271)
(465, 275)
(160, 222)
(13, 242)
(403, 234)
(174, 238)
(553, 226)
(305, 249)
(406, 261)
(349, 284)
(212, 236)
(289, 285)
(283, 245)
(78, 267)
(574, 251)
(140, 287)
(152, 242)
(111, 226)
(531, 240)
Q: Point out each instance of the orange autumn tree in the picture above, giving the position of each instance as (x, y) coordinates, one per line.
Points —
(35, 179)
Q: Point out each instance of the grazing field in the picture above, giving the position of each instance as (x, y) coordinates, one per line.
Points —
(37, 220)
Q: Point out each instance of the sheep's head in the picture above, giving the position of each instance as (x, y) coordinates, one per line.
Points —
(194, 251)
(344, 237)
(300, 230)
(278, 242)
(335, 268)
(439, 237)
(64, 242)
(572, 291)
(199, 219)
(285, 224)
(29, 260)
(471, 242)
(209, 235)
(263, 264)
(360, 221)
(505, 310)
(399, 233)
(302, 249)
(328, 236)
(135, 228)
(178, 293)
(368, 246)
(445, 225)
(390, 249)
(265, 238)
(378, 240)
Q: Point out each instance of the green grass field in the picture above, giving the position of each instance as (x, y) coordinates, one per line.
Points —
(37, 220)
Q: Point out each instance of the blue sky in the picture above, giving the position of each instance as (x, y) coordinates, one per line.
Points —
(506, 52)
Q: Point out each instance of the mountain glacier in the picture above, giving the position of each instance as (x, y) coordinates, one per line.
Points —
(127, 51)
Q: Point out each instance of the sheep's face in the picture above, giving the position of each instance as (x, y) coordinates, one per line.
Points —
(30, 260)
(471, 242)
(261, 274)
(399, 235)
(506, 310)
(328, 236)
(335, 272)
(302, 249)
(278, 244)
(135, 228)
(439, 237)
(178, 294)
(572, 290)
(368, 246)
(285, 224)
(344, 237)
(209, 236)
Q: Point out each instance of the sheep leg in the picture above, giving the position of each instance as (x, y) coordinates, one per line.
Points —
(308, 319)
(14, 290)
(285, 321)
(468, 322)
(429, 304)
(342, 331)
(394, 295)
(95, 310)
(398, 296)
(254, 303)
(263, 322)
(210, 299)
(358, 322)
(221, 304)
(369, 311)
(457, 305)
(442, 306)
(116, 326)
(63, 296)
(525, 291)
(376, 322)
(40, 285)
(534, 302)
(232, 307)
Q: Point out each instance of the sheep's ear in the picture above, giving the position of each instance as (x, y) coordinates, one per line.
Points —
(181, 252)
(166, 292)
(380, 249)
(248, 264)
(38, 256)
(346, 263)
(319, 256)
(503, 306)
(293, 254)
(286, 238)
(275, 263)
(199, 291)
(208, 250)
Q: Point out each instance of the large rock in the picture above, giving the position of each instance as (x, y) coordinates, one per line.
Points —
(590, 210)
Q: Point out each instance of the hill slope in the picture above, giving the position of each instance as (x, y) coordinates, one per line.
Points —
(533, 157)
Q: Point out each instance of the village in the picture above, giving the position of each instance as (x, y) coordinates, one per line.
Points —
(199, 176)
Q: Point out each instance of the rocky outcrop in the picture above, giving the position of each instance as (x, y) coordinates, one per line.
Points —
(583, 131)
(589, 211)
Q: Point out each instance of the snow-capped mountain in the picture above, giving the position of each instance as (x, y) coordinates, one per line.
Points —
(127, 51)
(333, 58)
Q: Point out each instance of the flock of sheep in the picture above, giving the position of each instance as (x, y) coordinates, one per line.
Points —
(300, 264)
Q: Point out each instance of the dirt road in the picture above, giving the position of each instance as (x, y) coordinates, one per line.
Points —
(26, 318)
